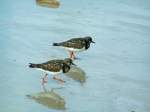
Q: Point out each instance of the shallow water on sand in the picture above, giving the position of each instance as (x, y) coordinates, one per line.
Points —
(117, 67)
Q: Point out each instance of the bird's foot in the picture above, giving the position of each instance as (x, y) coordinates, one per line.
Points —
(59, 79)
(76, 58)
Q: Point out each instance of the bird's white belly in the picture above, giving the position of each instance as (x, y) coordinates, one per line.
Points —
(49, 72)
(75, 50)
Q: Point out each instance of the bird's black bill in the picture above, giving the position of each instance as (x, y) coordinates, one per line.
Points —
(92, 41)
(73, 64)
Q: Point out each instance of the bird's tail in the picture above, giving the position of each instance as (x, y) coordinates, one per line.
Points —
(56, 44)
(31, 65)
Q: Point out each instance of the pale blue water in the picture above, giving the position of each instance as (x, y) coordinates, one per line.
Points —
(117, 66)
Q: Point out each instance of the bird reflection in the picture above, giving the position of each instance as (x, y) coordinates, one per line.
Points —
(49, 98)
(77, 74)
(48, 3)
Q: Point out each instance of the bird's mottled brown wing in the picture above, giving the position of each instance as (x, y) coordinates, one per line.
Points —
(54, 61)
(77, 43)
(53, 65)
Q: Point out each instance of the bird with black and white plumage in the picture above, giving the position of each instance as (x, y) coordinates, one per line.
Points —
(75, 45)
(54, 67)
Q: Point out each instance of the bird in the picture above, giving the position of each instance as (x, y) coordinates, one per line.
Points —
(54, 67)
(75, 45)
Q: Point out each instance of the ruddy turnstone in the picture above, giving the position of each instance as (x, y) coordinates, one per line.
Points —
(54, 67)
(75, 45)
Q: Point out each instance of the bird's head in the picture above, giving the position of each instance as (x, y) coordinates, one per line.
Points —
(66, 65)
(68, 61)
(89, 39)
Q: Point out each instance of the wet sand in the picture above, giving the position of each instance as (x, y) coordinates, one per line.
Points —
(116, 67)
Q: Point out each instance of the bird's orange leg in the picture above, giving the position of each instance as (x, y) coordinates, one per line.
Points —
(73, 55)
(58, 79)
(45, 79)
(70, 54)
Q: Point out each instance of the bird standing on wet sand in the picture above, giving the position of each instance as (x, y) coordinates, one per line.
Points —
(54, 67)
(75, 45)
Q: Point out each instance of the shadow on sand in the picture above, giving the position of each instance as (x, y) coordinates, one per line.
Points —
(77, 74)
(50, 99)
